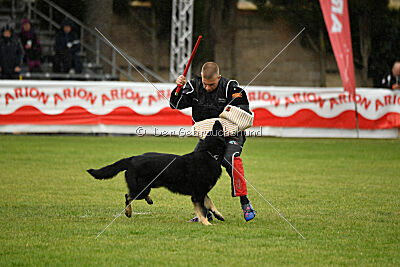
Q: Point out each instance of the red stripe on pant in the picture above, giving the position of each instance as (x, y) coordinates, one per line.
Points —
(239, 183)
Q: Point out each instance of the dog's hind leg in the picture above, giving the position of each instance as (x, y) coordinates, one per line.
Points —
(210, 206)
(134, 195)
(201, 211)
(128, 205)
(132, 184)
(148, 200)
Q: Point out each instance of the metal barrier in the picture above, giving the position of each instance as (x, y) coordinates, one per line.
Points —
(86, 32)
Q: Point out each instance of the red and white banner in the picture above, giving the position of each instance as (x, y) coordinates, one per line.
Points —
(336, 16)
(61, 103)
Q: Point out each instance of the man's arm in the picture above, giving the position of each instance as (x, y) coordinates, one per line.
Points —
(238, 97)
(184, 98)
(19, 55)
(76, 44)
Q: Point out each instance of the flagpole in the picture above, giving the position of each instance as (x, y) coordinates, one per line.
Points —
(356, 117)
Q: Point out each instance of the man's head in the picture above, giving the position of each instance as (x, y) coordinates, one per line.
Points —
(26, 26)
(67, 28)
(210, 76)
(67, 25)
(396, 68)
(7, 31)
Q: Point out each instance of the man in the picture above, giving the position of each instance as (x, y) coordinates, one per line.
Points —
(392, 80)
(66, 47)
(10, 54)
(30, 43)
(207, 96)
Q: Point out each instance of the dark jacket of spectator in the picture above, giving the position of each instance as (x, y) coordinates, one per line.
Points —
(31, 44)
(10, 54)
(66, 48)
(67, 41)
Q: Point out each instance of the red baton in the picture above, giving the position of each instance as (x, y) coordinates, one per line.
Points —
(189, 62)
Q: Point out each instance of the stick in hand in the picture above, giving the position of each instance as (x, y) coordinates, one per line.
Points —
(189, 62)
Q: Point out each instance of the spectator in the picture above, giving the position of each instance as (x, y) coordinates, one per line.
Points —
(30, 43)
(392, 80)
(10, 54)
(66, 47)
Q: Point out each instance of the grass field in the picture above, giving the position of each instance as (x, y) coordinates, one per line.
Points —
(342, 195)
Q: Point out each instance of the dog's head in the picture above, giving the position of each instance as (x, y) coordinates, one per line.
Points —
(215, 142)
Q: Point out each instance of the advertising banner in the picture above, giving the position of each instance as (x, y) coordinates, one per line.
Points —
(336, 16)
(122, 103)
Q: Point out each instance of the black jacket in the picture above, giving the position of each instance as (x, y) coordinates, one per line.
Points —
(389, 80)
(67, 42)
(10, 54)
(207, 105)
(35, 51)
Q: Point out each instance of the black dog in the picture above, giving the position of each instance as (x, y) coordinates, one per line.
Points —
(193, 174)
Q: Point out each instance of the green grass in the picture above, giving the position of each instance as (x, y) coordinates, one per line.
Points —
(342, 195)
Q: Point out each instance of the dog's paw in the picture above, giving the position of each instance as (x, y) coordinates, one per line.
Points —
(207, 223)
(128, 206)
(149, 200)
(128, 211)
(221, 218)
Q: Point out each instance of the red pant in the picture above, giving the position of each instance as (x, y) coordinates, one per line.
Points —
(233, 164)
(234, 167)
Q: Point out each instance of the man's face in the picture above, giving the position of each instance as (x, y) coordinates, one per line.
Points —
(396, 69)
(67, 29)
(27, 27)
(212, 84)
(7, 34)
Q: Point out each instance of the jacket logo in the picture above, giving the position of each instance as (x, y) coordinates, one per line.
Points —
(228, 109)
(235, 95)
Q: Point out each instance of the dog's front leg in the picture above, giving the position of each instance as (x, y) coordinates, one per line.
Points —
(210, 206)
(200, 211)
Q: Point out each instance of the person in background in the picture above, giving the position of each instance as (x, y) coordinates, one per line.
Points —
(30, 43)
(11, 54)
(66, 50)
(392, 80)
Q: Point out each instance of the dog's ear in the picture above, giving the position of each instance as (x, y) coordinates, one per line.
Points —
(218, 130)
(217, 126)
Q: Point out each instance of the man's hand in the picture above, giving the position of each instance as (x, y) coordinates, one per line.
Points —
(396, 86)
(17, 69)
(181, 80)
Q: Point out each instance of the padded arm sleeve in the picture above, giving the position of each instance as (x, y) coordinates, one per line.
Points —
(238, 97)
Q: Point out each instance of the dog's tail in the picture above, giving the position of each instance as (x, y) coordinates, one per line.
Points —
(110, 171)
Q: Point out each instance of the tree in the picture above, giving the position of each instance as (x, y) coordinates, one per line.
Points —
(215, 20)
(385, 46)
(375, 32)
(363, 17)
